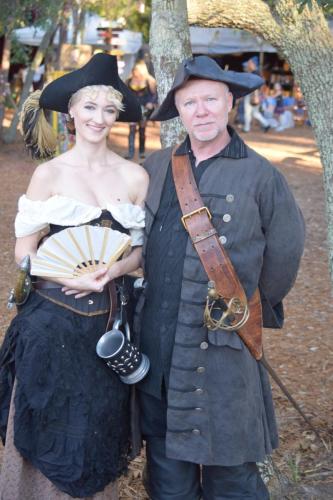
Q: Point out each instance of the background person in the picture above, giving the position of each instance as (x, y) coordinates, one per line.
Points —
(283, 108)
(267, 106)
(299, 107)
(252, 101)
(66, 418)
(144, 87)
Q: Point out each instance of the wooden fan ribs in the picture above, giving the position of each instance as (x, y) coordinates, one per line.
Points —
(105, 241)
(92, 258)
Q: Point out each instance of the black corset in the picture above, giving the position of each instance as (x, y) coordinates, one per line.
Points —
(105, 219)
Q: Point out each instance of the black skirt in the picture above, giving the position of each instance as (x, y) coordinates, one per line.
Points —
(71, 411)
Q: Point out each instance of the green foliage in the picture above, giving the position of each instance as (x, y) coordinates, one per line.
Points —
(294, 467)
(140, 22)
(20, 13)
(19, 53)
(326, 5)
(126, 11)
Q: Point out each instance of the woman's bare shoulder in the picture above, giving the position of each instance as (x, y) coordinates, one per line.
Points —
(138, 180)
(43, 179)
(133, 171)
(137, 169)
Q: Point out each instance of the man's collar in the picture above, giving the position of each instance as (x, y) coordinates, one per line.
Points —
(236, 148)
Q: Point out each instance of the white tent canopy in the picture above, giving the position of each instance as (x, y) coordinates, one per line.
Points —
(128, 41)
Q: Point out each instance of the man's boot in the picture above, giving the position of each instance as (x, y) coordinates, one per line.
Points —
(142, 140)
(131, 141)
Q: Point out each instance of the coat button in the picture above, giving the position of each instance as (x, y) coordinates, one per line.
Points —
(223, 239)
(196, 432)
(201, 369)
(198, 409)
(226, 218)
(204, 346)
(230, 198)
(199, 390)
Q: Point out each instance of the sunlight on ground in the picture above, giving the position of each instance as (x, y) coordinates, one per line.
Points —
(295, 146)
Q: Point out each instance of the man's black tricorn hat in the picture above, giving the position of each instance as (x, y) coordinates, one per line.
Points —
(203, 67)
(102, 69)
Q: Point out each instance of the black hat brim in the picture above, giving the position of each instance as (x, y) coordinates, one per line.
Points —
(203, 67)
(102, 69)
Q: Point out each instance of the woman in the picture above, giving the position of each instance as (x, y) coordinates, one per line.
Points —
(66, 415)
(144, 87)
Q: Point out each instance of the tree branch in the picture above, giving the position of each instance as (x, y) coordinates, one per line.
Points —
(251, 15)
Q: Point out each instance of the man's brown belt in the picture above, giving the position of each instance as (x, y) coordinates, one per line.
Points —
(221, 273)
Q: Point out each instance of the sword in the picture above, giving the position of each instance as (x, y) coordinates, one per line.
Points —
(213, 299)
(285, 391)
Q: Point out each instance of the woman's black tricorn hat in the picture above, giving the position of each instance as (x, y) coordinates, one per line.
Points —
(102, 69)
(204, 67)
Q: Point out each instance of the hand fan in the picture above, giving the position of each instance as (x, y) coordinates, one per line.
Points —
(79, 250)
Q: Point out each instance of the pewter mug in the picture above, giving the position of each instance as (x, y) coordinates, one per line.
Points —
(121, 355)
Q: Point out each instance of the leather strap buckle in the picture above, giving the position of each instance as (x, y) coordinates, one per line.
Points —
(197, 211)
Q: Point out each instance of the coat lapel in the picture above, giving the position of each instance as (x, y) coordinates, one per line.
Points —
(157, 173)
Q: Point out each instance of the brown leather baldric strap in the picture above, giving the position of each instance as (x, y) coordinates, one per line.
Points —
(197, 221)
(113, 304)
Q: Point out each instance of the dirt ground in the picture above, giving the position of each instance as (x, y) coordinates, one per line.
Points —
(302, 353)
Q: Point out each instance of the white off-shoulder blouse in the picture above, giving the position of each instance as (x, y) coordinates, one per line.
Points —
(33, 216)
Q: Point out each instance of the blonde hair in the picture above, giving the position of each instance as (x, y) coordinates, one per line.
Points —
(39, 137)
(141, 66)
(114, 96)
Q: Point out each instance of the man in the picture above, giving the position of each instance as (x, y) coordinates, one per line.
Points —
(252, 102)
(207, 401)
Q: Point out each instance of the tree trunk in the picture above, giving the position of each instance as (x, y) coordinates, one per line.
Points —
(4, 85)
(305, 41)
(169, 44)
(63, 33)
(10, 136)
(78, 22)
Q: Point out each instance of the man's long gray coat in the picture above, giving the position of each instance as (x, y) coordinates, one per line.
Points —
(220, 409)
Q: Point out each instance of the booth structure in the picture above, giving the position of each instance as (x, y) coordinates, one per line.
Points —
(123, 43)
(232, 47)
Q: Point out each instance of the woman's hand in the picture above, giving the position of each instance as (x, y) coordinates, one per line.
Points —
(87, 283)
(95, 282)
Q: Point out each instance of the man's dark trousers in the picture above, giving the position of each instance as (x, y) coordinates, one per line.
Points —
(169, 479)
